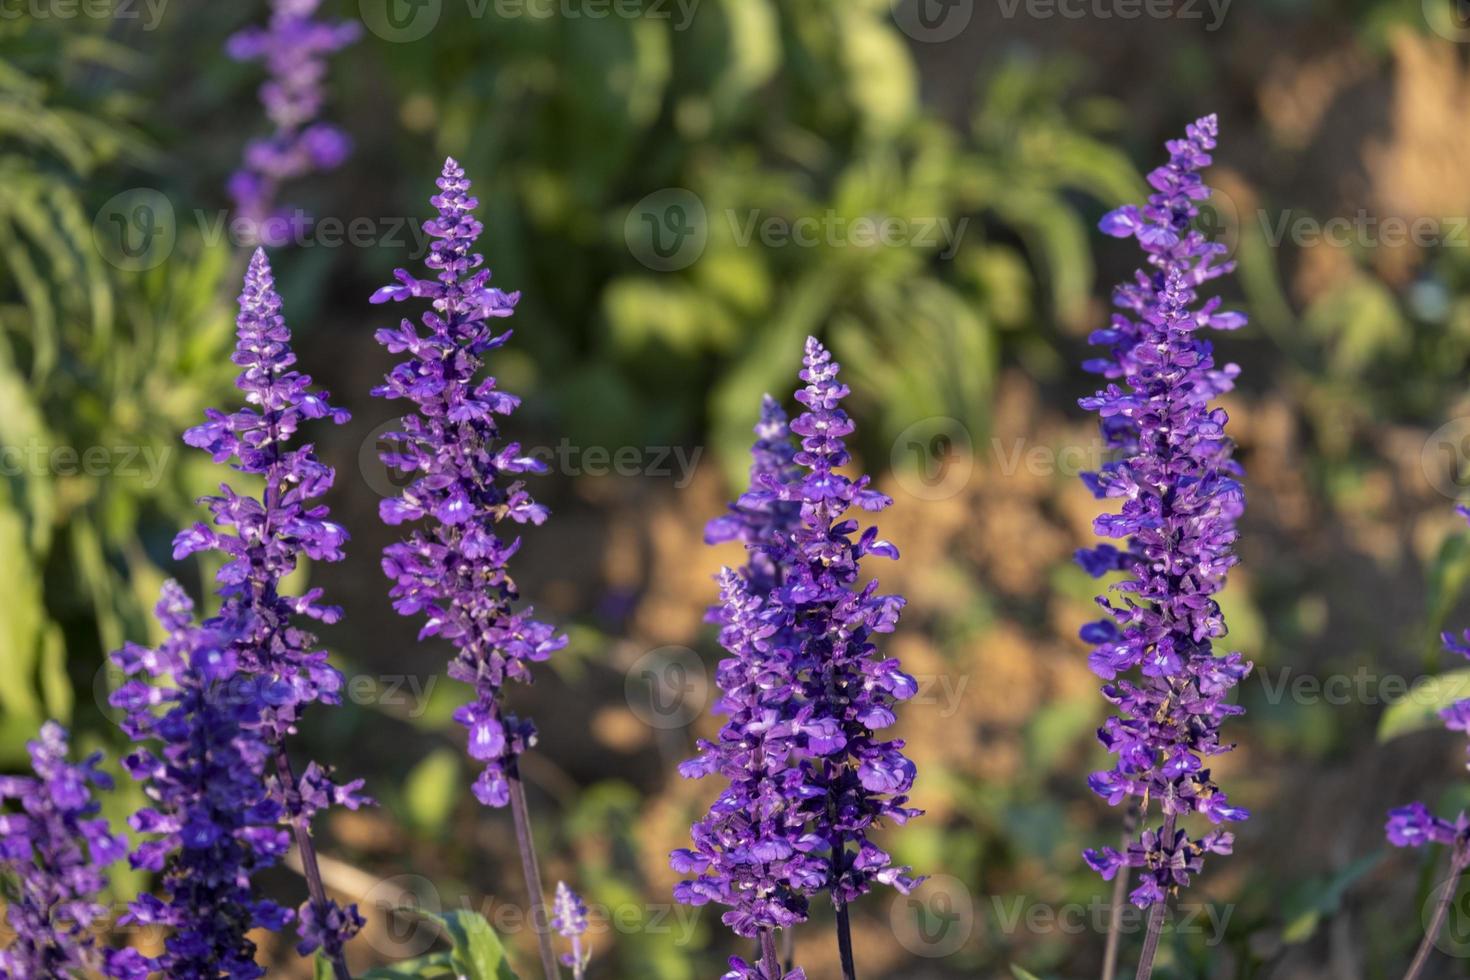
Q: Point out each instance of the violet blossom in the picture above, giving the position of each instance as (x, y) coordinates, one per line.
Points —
(212, 824)
(263, 541)
(295, 47)
(569, 919)
(452, 569)
(1181, 498)
(53, 850)
(804, 692)
(1414, 825)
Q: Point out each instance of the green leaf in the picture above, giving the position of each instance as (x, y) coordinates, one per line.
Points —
(1021, 973)
(1420, 708)
(477, 953)
(435, 966)
(321, 969)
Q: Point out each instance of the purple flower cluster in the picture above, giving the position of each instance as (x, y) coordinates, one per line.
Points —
(803, 690)
(263, 541)
(212, 823)
(759, 522)
(569, 919)
(1181, 497)
(454, 570)
(1414, 825)
(294, 46)
(741, 969)
(53, 847)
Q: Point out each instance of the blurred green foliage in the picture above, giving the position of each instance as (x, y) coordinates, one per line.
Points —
(99, 371)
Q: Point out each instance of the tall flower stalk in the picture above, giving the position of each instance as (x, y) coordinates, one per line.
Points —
(264, 540)
(452, 569)
(295, 47)
(53, 849)
(1181, 497)
(804, 692)
(1415, 826)
(200, 746)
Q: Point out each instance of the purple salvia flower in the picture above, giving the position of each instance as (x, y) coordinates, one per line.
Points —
(742, 970)
(753, 851)
(804, 691)
(453, 570)
(1181, 498)
(569, 919)
(212, 824)
(53, 848)
(759, 522)
(264, 540)
(295, 47)
(1414, 825)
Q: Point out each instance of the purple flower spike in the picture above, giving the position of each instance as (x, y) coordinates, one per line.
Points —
(452, 570)
(53, 849)
(803, 690)
(569, 919)
(295, 47)
(264, 540)
(212, 823)
(1181, 497)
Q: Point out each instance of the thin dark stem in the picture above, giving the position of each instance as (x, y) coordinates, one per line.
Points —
(770, 962)
(1155, 917)
(531, 869)
(1120, 897)
(309, 866)
(1459, 858)
(844, 941)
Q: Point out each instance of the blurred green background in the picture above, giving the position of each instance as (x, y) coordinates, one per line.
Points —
(683, 192)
